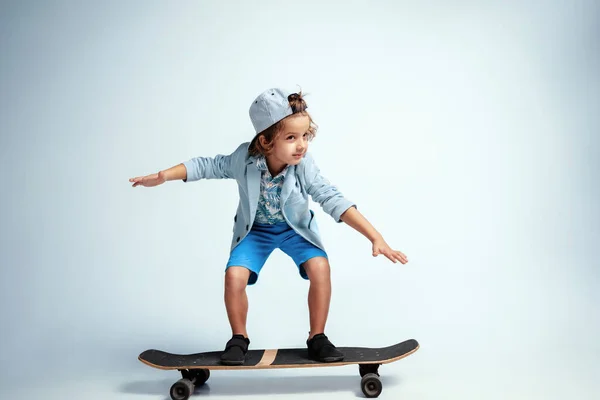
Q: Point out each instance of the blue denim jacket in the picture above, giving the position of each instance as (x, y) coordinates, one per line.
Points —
(300, 181)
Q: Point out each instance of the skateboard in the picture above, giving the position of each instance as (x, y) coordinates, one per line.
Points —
(195, 368)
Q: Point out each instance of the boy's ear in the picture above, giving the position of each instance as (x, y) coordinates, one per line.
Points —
(263, 141)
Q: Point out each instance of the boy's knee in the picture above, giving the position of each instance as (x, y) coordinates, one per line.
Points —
(317, 268)
(236, 278)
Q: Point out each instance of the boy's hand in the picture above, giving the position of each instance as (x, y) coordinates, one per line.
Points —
(381, 247)
(149, 180)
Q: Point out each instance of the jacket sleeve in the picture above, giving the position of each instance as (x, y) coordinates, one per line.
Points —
(217, 167)
(322, 191)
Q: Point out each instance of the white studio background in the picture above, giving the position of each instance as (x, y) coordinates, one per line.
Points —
(466, 132)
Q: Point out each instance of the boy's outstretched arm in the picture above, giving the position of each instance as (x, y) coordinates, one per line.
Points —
(356, 220)
(217, 167)
(176, 173)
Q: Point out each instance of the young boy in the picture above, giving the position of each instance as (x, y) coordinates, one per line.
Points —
(275, 175)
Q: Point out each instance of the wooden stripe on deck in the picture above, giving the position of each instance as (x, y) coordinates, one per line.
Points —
(267, 358)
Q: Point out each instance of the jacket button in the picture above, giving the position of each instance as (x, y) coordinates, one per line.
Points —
(238, 239)
(246, 227)
(235, 218)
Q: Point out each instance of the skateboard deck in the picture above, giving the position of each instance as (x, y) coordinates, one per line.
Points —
(195, 368)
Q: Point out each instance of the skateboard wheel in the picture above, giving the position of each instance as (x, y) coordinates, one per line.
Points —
(371, 385)
(182, 389)
(202, 376)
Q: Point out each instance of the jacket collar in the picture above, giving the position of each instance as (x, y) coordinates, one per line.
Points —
(261, 164)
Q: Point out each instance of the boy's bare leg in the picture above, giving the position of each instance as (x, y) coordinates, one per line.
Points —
(236, 299)
(319, 293)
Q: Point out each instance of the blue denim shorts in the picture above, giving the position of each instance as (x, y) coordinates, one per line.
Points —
(252, 252)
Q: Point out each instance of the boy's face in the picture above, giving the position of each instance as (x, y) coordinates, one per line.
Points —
(292, 142)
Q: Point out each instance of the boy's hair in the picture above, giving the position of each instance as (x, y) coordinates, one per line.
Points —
(298, 105)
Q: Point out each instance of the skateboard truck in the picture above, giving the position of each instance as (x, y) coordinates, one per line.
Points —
(368, 369)
(190, 379)
(370, 383)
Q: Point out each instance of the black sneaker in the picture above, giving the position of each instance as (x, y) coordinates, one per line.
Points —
(321, 349)
(235, 350)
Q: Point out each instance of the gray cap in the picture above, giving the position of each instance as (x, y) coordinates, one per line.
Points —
(270, 107)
